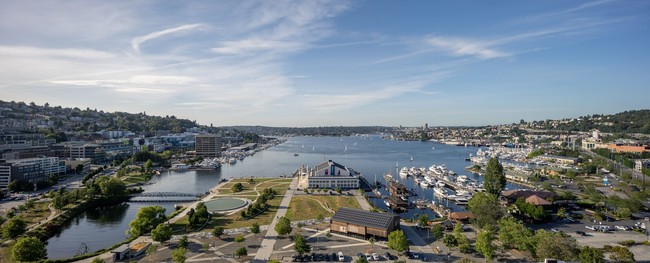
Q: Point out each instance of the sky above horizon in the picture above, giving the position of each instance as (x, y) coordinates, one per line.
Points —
(325, 63)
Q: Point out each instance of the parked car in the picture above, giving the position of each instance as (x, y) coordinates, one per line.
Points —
(388, 256)
(368, 256)
(591, 228)
(623, 228)
(581, 233)
(555, 230)
(341, 257)
(361, 255)
(375, 256)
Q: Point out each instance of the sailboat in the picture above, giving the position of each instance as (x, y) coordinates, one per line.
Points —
(346, 149)
(411, 158)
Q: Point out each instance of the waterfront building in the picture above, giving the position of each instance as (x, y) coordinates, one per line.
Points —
(207, 145)
(559, 159)
(363, 223)
(331, 175)
(510, 196)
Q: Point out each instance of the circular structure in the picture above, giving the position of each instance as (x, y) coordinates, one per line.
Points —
(225, 204)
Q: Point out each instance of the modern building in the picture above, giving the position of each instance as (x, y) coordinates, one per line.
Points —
(207, 145)
(363, 223)
(34, 170)
(641, 164)
(5, 175)
(331, 175)
(560, 159)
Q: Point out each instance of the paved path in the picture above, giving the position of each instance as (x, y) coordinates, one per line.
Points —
(418, 243)
(362, 201)
(266, 248)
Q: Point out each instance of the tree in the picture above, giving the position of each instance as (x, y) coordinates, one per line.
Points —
(178, 255)
(591, 255)
(240, 238)
(423, 220)
(437, 231)
(241, 252)
(450, 240)
(485, 243)
(161, 233)
(29, 204)
(14, 228)
(217, 232)
(28, 249)
(183, 242)
(148, 217)
(97, 260)
(372, 242)
(320, 218)
(151, 249)
(238, 187)
(300, 244)
(464, 245)
(555, 245)
(283, 227)
(361, 260)
(397, 241)
(513, 234)
(255, 228)
(148, 165)
(486, 208)
(561, 212)
(111, 187)
(495, 179)
(620, 254)
(624, 213)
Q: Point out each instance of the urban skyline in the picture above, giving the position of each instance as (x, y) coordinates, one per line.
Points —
(320, 63)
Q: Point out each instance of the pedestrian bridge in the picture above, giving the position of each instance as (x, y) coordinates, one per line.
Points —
(164, 197)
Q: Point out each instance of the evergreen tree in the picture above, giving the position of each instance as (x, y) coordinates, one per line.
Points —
(495, 179)
(300, 244)
(485, 243)
(397, 241)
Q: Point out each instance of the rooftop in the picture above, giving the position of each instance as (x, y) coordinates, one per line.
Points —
(364, 218)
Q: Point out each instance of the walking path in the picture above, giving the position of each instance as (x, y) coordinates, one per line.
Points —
(266, 248)
(362, 201)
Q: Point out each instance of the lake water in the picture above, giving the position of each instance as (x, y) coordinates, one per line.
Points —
(370, 155)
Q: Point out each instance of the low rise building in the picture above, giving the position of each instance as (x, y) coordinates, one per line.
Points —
(361, 223)
(331, 175)
(641, 164)
(621, 148)
(560, 159)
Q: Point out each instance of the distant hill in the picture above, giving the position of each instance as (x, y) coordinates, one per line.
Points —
(634, 121)
(35, 118)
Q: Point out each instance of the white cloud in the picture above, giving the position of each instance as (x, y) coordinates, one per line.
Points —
(137, 41)
(27, 51)
(466, 47)
(248, 46)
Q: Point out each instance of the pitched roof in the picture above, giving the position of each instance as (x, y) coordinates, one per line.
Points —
(516, 194)
(329, 163)
(536, 200)
(364, 218)
(461, 215)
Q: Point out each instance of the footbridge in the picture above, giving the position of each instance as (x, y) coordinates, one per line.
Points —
(164, 197)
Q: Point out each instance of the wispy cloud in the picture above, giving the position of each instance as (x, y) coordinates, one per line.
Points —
(248, 46)
(466, 47)
(138, 41)
(27, 51)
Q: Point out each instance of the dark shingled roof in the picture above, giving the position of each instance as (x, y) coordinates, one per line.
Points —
(364, 218)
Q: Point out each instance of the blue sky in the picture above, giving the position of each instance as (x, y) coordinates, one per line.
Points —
(317, 63)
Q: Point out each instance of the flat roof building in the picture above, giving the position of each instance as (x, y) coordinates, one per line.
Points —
(207, 145)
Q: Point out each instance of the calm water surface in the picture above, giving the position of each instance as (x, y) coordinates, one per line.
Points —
(370, 155)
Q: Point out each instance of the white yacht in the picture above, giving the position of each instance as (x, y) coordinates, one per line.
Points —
(424, 184)
(461, 179)
(404, 172)
(180, 166)
(462, 193)
(440, 184)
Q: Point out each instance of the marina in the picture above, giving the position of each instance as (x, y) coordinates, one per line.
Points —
(371, 155)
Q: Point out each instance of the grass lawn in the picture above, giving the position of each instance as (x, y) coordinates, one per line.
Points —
(307, 207)
(136, 177)
(38, 213)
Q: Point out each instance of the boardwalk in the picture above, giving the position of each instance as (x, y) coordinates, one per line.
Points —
(266, 248)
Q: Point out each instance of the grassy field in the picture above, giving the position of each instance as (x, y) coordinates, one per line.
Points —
(135, 177)
(308, 207)
(38, 213)
(233, 221)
